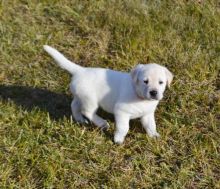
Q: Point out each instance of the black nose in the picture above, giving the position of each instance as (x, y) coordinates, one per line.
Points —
(153, 93)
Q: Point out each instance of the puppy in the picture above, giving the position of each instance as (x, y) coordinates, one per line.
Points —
(126, 95)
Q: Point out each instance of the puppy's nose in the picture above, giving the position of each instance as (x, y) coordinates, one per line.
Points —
(153, 93)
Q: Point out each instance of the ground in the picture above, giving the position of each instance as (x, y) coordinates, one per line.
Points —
(41, 146)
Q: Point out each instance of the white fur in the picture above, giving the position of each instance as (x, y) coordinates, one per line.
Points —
(126, 95)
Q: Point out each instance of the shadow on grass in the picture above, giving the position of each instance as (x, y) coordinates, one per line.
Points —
(57, 105)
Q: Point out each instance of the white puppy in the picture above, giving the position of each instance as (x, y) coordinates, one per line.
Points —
(126, 95)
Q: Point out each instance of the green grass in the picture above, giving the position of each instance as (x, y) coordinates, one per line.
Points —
(42, 147)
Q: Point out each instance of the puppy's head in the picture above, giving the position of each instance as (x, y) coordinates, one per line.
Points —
(150, 80)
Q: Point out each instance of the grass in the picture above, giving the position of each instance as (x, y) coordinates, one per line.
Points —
(42, 147)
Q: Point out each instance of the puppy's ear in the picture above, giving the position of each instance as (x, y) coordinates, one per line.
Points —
(135, 72)
(169, 76)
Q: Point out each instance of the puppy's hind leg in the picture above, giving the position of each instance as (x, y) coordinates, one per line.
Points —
(76, 111)
(89, 111)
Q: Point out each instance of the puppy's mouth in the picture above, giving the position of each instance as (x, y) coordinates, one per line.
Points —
(153, 98)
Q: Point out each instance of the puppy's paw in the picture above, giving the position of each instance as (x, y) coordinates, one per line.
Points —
(105, 125)
(82, 120)
(154, 134)
(118, 139)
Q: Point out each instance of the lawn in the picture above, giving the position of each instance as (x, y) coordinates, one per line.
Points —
(41, 146)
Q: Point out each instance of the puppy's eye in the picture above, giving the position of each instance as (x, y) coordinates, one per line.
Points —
(146, 81)
(160, 82)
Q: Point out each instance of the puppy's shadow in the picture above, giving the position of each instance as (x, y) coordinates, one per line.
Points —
(57, 105)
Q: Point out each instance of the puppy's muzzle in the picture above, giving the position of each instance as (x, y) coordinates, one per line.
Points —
(153, 94)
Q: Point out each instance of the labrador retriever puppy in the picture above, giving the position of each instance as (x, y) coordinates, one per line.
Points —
(126, 95)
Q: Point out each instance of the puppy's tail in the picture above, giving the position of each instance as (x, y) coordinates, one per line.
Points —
(61, 60)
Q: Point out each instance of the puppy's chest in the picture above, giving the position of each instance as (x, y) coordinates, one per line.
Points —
(139, 109)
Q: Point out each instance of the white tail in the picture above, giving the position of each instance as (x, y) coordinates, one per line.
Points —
(61, 60)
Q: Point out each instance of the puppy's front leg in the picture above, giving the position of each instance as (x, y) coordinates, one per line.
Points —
(148, 122)
(122, 127)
